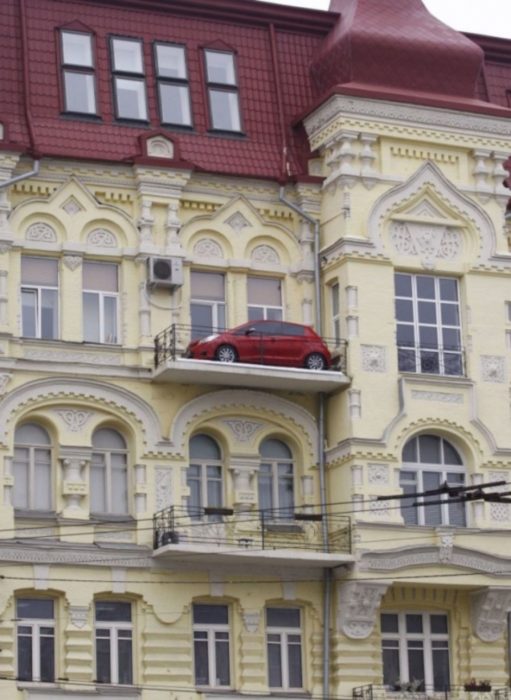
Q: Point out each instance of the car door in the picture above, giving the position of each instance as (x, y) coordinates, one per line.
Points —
(293, 341)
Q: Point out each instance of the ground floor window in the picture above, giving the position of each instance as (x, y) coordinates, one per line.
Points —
(284, 646)
(415, 651)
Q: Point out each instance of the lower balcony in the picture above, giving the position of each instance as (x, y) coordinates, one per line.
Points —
(224, 536)
(414, 691)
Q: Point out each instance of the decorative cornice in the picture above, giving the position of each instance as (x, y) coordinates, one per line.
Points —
(489, 613)
(358, 606)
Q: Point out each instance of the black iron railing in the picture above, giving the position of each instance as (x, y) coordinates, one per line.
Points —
(419, 691)
(172, 343)
(221, 527)
(430, 359)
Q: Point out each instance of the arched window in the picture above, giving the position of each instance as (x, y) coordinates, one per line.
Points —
(276, 479)
(428, 462)
(204, 475)
(32, 468)
(109, 473)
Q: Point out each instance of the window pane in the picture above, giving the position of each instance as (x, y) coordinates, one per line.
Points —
(171, 61)
(47, 658)
(113, 611)
(450, 314)
(108, 439)
(440, 669)
(391, 668)
(432, 514)
(24, 656)
(175, 104)
(203, 447)
(283, 617)
(110, 320)
(212, 614)
(201, 662)
(439, 624)
(39, 271)
(34, 609)
(429, 447)
(127, 56)
(274, 665)
(389, 623)
(220, 68)
(103, 658)
(125, 661)
(427, 312)
(265, 484)
(410, 451)
(225, 110)
(275, 449)
(414, 623)
(31, 434)
(91, 317)
(98, 485)
(101, 277)
(295, 665)
(208, 285)
(29, 312)
(222, 661)
(448, 289)
(426, 287)
(404, 310)
(49, 313)
(131, 102)
(451, 455)
(77, 49)
(403, 285)
(79, 92)
(416, 665)
(214, 491)
(263, 290)
(202, 320)
(42, 480)
(119, 484)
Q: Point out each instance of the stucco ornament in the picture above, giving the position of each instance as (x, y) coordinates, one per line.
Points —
(378, 474)
(101, 238)
(489, 613)
(72, 262)
(243, 430)
(265, 254)
(358, 605)
(428, 241)
(373, 358)
(208, 248)
(78, 615)
(4, 381)
(71, 207)
(160, 147)
(41, 232)
(251, 620)
(163, 487)
(493, 369)
(75, 419)
(238, 222)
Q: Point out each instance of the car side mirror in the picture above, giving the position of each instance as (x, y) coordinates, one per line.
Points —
(249, 331)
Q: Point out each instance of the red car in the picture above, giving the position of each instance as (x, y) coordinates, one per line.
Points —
(264, 342)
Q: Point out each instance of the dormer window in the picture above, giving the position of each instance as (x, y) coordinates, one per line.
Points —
(222, 90)
(78, 73)
(173, 87)
(129, 79)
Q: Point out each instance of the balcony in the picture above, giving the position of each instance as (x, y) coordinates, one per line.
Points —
(171, 365)
(452, 692)
(447, 361)
(228, 537)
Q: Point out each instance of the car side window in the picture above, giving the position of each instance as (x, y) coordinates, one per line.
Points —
(292, 329)
(269, 328)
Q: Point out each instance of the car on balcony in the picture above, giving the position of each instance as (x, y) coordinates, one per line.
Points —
(266, 343)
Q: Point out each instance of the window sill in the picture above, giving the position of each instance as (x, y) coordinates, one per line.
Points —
(82, 116)
(27, 514)
(226, 134)
(102, 518)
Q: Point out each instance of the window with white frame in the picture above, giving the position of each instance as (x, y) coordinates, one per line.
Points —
(39, 297)
(284, 648)
(32, 468)
(204, 476)
(78, 72)
(173, 87)
(211, 645)
(415, 650)
(114, 642)
(207, 303)
(428, 462)
(100, 302)
(276, 480)
(129, 79)
(109, 473)
(336, 313)
(222, 86)
(264, 299)
(35, 632)
(428, 324)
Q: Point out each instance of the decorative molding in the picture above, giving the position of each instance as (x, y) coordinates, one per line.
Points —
(378, 474)
(101, 238)
(430, 242)
(208, 248)
(74, 418)
(441, 396)
(163, 487)
(69, 356)
(160, 147)
(355, 403)
(251, 620)
(265, 254)
(493, 369)
(71, 207)
(243, 430)
(374, 358)
(5, 378)
(445, 544)
(72, 262)
(489, 613)
(78, 615)
(238, 222)
(41, 232)
(358, 605)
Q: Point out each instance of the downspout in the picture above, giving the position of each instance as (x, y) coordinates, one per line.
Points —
(327, 573)
(34, 171)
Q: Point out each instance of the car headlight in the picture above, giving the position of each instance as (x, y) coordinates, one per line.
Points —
(208, 338)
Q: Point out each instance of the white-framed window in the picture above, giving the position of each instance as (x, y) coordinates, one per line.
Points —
(78, 72)
(109, 473)
(35, 632)
(100, 302)
(211, 645)
(32, 468)
(223, 93)
(415, 650)
(264, 299)
(204, 476)
(336, 312)
(207, 303)
(276, 480)
(114, 642)
(39, 297)
(428, 462)
(173, 85)
(428, 324)
(129, 79)
(284, 648)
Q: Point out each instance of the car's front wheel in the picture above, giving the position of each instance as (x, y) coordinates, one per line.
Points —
(315, 361)
(226, 353)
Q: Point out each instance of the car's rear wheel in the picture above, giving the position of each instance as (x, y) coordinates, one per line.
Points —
(226, 353)
(315, 361)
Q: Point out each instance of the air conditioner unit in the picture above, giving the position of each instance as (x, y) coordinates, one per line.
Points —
(165, 272)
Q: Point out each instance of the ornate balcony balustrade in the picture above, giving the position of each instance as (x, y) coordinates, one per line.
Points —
(444, 360)
(422, 692)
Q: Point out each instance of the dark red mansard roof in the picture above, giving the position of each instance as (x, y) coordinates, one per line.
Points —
(288, 61)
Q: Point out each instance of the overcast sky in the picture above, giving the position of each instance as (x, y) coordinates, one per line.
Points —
(478, 16)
